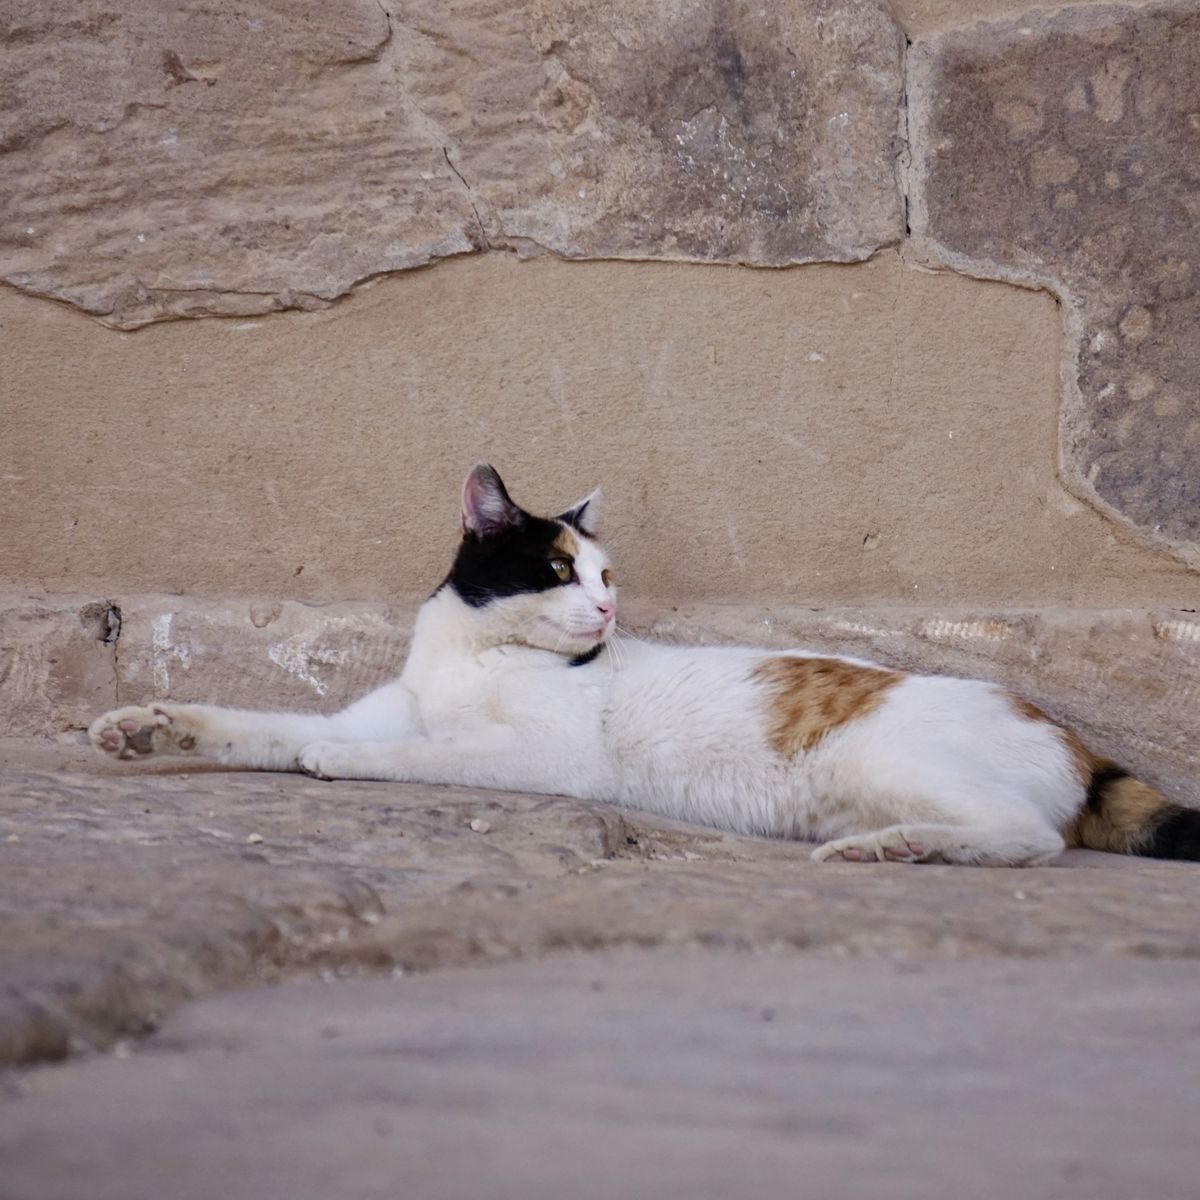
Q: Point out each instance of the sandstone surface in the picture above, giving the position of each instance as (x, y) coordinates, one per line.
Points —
(164, 162)
(674, 1073)
(854, 435)
(122, 894)
(741, 1013)
(127, 891)
(57, 662)
(1062, 151)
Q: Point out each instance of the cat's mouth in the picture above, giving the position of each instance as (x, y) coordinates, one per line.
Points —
(592, 636)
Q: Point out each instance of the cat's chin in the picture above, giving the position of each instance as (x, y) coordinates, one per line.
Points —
(570, 643)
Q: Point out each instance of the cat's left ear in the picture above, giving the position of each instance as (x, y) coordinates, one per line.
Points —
(487, 507)
(583, 516)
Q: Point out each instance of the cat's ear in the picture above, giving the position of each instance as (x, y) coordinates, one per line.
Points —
(487, 507)
(583, 516)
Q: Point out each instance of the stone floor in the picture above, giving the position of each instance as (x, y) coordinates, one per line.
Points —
(458, 993)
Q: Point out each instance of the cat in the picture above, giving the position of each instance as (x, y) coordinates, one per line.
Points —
(517, 679)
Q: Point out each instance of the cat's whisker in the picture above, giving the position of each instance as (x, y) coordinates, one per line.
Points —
(624, 631)
(616, 660)
(618, 653)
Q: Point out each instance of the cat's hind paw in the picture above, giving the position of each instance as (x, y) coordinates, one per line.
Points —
(888, 845)
(138, 732)
(321, 760)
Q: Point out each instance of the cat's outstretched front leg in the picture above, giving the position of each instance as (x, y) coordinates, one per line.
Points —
(242, 738)
(265, 741)
(494, 757)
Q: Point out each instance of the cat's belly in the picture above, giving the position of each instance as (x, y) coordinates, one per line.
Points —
(746, 789)
(686, 736)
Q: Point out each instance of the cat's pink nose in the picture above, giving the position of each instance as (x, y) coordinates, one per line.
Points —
(606, 611)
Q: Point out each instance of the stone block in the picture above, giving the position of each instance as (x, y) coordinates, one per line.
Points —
(166, 161)
(1063, 151)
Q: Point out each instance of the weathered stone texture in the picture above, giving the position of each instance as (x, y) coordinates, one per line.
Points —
(166, 160)
(64, 661)
(716, 132)
(272, 655)
(127, 889)
(161, 161)
(121, 893)
(1065, 150)
(57, 663)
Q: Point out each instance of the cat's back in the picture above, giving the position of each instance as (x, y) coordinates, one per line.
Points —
(791, 700)
(689, 698)
(717, 674)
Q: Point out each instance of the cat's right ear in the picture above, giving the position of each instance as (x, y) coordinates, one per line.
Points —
(487, 507)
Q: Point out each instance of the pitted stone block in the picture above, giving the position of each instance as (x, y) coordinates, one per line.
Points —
(1064, 151)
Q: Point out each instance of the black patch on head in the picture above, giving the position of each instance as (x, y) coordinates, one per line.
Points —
(1102, 780)
(507, 563)
(577, 517)
(566, 519)
(582, 660)
(1176, 835)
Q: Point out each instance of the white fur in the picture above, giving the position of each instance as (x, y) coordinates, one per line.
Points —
(942, 769)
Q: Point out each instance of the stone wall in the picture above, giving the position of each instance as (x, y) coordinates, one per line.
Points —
(846, 305)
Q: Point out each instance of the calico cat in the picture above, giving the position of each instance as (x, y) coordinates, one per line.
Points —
(517, 680)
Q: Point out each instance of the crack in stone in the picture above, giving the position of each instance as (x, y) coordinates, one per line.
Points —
(112, 625)
(487, 245)
(904, 157)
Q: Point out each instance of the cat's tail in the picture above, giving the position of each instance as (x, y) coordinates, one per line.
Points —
(1125, 816)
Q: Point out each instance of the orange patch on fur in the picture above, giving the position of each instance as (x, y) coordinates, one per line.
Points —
(812, 696)
(566, 543)
(1081, 759)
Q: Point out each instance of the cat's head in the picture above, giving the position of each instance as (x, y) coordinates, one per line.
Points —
(539, 581)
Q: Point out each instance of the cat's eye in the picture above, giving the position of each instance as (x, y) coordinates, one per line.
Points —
(562, 568)
(606, 577)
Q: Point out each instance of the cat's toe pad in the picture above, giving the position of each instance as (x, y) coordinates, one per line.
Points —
(138, 731)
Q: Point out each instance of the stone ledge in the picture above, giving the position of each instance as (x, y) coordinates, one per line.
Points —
(127, 890)
(58, 661)
(1126, 680)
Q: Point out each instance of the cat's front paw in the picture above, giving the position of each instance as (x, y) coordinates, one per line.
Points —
(322, 760)
(140, 731)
